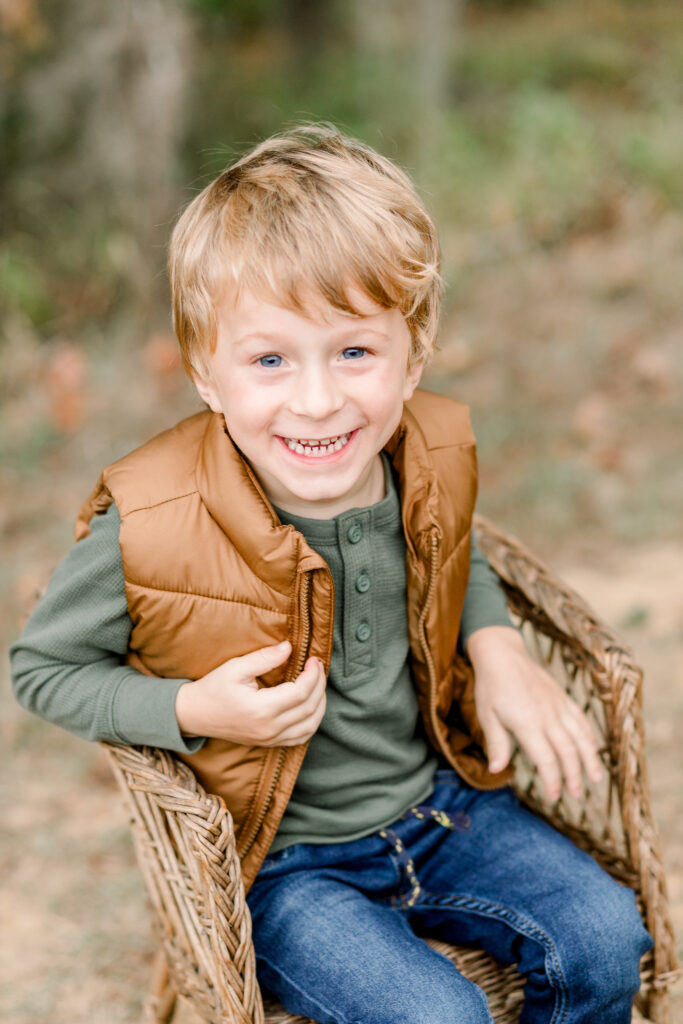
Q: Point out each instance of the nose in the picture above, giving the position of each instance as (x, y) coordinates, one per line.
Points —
(317, 394)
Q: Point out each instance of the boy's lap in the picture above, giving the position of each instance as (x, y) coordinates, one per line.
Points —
(325, 949)
(309, 896)
(506, 873)
(349, 926)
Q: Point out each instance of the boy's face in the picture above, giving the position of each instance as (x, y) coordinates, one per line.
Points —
(311, 402)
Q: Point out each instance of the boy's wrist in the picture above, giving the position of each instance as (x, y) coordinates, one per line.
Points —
(186, 711)
(489, 642)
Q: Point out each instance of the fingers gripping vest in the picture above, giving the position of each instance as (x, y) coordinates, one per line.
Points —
(211, 574)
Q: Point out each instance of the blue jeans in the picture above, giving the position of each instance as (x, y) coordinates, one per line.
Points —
(333, 924)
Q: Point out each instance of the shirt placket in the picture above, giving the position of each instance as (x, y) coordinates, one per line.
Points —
(354, 538)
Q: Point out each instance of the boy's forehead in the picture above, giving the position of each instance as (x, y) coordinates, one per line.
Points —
(243, 310)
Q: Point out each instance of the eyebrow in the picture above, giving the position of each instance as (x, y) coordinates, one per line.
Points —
(275, 338)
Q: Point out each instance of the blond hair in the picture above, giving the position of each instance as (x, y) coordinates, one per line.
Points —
(306, 213)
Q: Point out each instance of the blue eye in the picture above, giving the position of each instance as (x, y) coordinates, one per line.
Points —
(353, 352)
(270, 361)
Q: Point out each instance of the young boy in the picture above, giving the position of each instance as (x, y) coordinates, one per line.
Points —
(281, 590)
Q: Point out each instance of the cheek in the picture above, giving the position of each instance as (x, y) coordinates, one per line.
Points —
(383, 402)
(393, 389)
(247, 410)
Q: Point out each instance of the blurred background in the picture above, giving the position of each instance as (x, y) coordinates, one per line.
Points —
(546, 137)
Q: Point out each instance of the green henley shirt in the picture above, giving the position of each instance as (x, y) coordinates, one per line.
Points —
(369, 759)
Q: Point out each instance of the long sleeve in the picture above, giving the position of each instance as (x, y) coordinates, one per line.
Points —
(68, 665)
(485, 603)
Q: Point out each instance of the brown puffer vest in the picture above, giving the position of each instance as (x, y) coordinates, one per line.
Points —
(211, 574)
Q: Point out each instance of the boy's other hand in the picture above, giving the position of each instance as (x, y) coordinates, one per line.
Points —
(515, 695)
(229, 704)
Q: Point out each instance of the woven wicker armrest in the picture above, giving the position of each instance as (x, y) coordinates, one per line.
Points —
(185, 846)
(613, 820)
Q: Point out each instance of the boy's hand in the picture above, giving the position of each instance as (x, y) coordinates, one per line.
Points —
(514, 694)
(228, 703)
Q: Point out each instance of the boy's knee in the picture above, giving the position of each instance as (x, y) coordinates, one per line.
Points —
(604, 959)
(618, 930)
(464, 1003)
(470, 1007)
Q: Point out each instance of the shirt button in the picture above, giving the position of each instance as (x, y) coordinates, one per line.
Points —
(363, 583)
(354, 533)
(363, 632)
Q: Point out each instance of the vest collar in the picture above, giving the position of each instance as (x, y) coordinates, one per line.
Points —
(233, 495)
(417, 484)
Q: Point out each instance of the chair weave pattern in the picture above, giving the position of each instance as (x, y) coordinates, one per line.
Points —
(185, 846)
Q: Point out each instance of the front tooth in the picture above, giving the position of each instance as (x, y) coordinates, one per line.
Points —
(317, 447)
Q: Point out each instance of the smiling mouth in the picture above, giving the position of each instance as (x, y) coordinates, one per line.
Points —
(317, 448)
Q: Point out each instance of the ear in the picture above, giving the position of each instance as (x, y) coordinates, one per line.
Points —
(207, 390)
(413, 375)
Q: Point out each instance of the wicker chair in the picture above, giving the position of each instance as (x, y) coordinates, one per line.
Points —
(185, 846)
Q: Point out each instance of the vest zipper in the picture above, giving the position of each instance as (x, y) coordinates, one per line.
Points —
(429, 660)
(305, 627)
(302, 653)
(431, 588)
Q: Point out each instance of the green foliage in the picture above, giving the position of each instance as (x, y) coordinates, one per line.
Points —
(581, 59)
(655, 157)
(23, 286)
(248, 14)
(236, 16)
